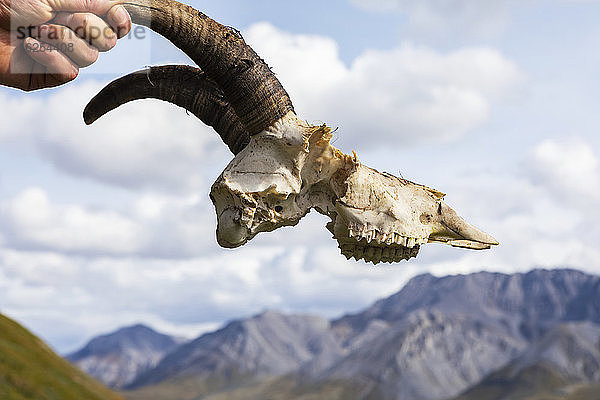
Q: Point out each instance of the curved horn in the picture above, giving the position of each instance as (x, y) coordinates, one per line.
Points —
(252, 89)
(185, 86)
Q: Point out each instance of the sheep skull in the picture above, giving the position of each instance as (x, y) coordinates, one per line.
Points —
(283, 166)
(292, 168)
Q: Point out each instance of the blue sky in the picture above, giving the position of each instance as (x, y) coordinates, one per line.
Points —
(493, 103)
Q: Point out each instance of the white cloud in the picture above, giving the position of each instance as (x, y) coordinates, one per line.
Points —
(405, 95)
(543, 212)
(16, 125)
(85, 296)
(569, 167)
(147, 144)
(35, 221)
(443, 18)
(149, 226)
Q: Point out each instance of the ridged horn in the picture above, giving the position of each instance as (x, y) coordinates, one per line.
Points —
(185, 86)
(252, 89)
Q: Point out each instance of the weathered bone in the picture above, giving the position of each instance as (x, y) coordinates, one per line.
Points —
(292, 168)
(288, 166)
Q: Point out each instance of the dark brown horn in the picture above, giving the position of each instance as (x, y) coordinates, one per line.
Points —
(252, 89)
(185, 86)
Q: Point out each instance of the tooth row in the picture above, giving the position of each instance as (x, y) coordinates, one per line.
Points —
(388, 239)
(376, 254)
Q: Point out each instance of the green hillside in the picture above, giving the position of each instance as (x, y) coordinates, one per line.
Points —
(537, 382)
(30, 370)
(283, 388)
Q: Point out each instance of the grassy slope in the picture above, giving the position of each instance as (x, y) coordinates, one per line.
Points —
(269, 389)
(586, 393)
(534, 383)
(289, 389)
(30, 370)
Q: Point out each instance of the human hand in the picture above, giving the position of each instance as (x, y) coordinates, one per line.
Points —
(43, 43)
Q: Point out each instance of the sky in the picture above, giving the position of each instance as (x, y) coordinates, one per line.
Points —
(492, 102)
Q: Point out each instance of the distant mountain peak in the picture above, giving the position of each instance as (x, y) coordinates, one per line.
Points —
(270, 343)
(135, 328)
(118, 358)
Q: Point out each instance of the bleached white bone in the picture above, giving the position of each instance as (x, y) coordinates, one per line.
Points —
(292, 168)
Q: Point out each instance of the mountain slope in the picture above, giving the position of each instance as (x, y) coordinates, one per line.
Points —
(523, 305)
(439, 336)
(29, 370)
(432, 340)
(283, 388)
(427, 356)
(567, 357)
(269, 344)
(118, 358)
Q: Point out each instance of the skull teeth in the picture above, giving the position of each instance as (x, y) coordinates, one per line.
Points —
(376, 254)
(375, 246)
(382, 238)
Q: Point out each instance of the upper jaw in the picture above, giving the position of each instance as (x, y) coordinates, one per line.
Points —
(367, 243)
(456, 232)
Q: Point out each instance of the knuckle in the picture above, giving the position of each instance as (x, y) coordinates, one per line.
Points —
(87, 4)
(65, 18)
(64, 32)
(84, 21)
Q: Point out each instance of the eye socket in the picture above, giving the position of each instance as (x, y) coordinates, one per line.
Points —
(278, 209)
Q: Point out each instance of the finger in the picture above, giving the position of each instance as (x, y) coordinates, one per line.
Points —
(58, 68)
(98, 7)
(116, 14)
(89, 27)
(67, 42)
(119, 19)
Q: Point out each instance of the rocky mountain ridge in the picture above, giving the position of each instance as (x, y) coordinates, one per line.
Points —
(118, 358)
(434, 339)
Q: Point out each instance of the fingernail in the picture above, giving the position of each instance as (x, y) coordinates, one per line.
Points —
(122, 21)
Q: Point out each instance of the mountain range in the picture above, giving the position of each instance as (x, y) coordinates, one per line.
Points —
(478, 336)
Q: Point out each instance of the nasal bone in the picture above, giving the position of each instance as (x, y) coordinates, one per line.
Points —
(465, 231)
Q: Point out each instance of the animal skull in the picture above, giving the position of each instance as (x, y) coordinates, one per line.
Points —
(292, 168)
(283, 166)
